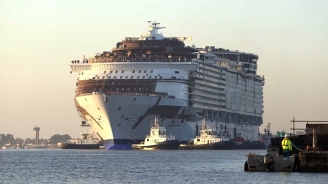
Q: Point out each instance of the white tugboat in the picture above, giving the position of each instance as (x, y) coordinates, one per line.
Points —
(208, 138)
(87, 141)
(158, 139)
(209, 135)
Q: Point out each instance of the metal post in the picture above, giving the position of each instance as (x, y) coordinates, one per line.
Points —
(294, 126)
(314, 144)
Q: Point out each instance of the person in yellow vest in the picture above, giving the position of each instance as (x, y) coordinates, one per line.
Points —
(287, 146)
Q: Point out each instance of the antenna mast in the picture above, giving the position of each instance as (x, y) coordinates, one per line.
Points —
(203, 124)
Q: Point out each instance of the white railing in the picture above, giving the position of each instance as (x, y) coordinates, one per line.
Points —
(127, 94)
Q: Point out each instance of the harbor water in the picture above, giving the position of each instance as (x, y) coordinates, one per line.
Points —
(136, 166)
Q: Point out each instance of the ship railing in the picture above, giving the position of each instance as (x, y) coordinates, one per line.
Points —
(208, 89)
(208, 95)
(145, 58)
(139, 94)
(128, 94)
(170, 137)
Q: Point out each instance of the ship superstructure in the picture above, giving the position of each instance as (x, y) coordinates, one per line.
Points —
(227, 91)
(150, 76)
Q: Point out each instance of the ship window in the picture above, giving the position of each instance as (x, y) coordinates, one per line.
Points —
(133, 71)
(122, 71)
(150, 77)
(139, 71)
(103, 77)
(145, 71)
(111, 72)
(151, 71)
(119, 108)
(126, 77)
(176, 71)
(155, 77)
(116, 71)
(122, 89)
(121, 77)
(160, 77)
(197, 140)
(138, 77)
(147, 139)
(109, 77)
(131, 77)
(128, 89)
(114, 77)
(117, 89)
(143, 77)
(104, 72)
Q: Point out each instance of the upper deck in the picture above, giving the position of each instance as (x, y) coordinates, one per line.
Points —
(149, 47)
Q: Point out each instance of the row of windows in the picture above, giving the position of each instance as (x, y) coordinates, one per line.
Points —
(145, 71)
(132, 77)
(132, 83)
(130, 89)
(148, 45)
(138, 77)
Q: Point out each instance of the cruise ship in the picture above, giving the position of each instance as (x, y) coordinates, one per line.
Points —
(118, 92)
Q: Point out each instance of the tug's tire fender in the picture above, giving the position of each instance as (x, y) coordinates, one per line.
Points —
(246, 168)
(297, 165)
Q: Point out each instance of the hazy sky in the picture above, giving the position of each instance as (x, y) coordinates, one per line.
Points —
(38, 39)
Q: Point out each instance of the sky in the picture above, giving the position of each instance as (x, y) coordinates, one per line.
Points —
(38, 39)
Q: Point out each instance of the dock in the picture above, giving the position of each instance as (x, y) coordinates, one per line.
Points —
(312, 159)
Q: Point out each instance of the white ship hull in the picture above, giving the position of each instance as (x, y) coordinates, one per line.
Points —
(121, 121)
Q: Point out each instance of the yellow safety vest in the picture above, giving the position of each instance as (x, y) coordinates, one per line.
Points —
(286, 144)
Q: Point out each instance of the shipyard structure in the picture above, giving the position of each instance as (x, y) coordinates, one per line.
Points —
(118, 92)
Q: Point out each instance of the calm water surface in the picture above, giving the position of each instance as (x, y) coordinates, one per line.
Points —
(101, 166)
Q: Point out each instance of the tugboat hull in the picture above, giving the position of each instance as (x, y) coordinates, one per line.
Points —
(166, 145)
(226, 145)
(80, 146)
(251, 146)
